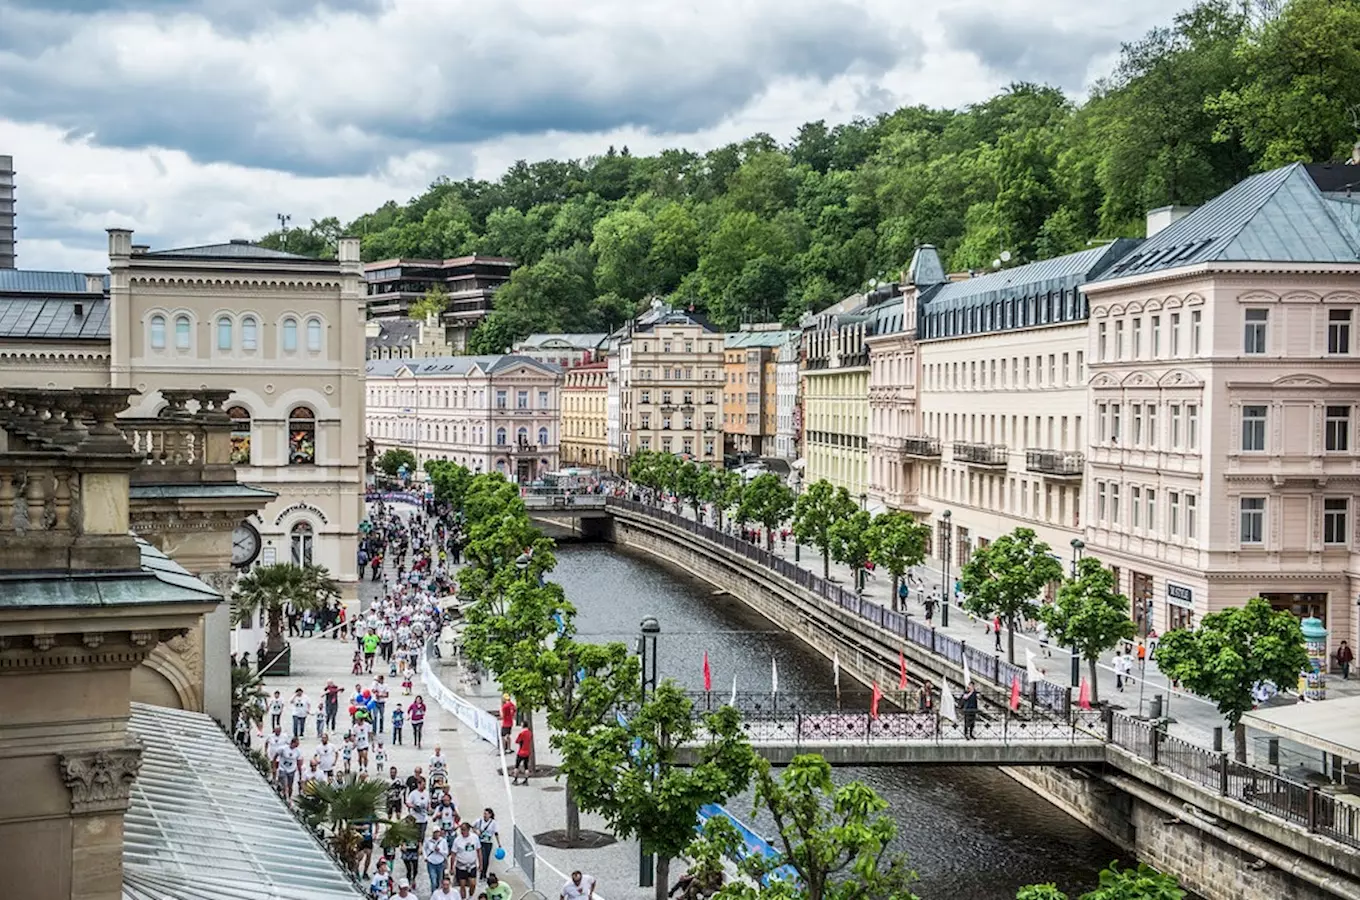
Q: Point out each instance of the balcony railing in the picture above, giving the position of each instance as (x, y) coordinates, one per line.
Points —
(920, 447)
(992, 456)
(1055, 463)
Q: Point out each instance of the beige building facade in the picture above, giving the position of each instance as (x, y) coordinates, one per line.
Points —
(835, 396)
(487, 413)
(585, 396)
(671, 383)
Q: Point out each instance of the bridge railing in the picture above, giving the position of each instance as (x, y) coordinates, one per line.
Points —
(818, 729)
(1277, 796)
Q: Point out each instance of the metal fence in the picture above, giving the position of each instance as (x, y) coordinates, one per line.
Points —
(812, 729)
(525, 858)
(1283, 798)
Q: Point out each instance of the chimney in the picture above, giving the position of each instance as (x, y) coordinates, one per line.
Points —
(94, 284)
(120, 242)
(348, 250)
(1162, 218)
(140, 249)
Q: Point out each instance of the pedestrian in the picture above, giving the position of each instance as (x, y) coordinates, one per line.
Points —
(410, 855)
(446, 891)
(418, 802)
(416, 713)
(578, 887)
(287, 768)
(436, 855)
(404, 890)
(996, 629)
(495, 888)
(465, 850)
(1344, 658)
(507, 721)
(275, 711)
(398, 720)
(242, 732)
(439, 764)
(326, 755)
(488, 832)
(370, 645)
(969, 704)
(380, 888)
(331, 693)
(1142, 657)
(380, 693)
(396, 793)
(524, 743)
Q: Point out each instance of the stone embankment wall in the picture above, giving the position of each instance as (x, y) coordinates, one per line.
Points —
(1219, 849)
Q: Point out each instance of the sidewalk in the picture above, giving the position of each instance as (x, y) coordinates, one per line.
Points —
(1192, 718)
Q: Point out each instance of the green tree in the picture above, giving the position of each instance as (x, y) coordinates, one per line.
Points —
(849, 543)
(1141, 883)
(247, 695)
(392, 461)
(450, 480)
(1089, 615)
(631, 773)
(767, 500)
(690, 484)
(433, 303)
(897, 542)
(1006, 577)
(816, 510)
(269, 589)
(837, 838)
(339, 810)
(622, 246)
(1229, 653)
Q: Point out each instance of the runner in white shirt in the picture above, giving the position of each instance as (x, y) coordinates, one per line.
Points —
(418, 802)
(381, 885)
(273, 744)
(361, 732)
(463, 847)
(302, 708)
(579, 886)
(326, 754)
(439, 763)
(446, 890)
(288, 767)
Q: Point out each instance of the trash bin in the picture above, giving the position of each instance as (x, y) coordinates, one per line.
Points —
(1155, 711)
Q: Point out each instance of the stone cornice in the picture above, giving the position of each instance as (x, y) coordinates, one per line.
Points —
(226, 281)
(34, 355)
(48, 651)
(100, 780)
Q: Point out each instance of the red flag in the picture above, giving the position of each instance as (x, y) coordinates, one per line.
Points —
(708, 674)
(1015, 692)
(1084, 696)
(902, 671)
(873, 704)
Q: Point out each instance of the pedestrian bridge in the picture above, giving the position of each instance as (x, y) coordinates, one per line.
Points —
(573, 505)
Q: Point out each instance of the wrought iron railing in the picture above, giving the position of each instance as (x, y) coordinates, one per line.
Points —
(1055, 463)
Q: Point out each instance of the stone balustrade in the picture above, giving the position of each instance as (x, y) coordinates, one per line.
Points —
(182, 447)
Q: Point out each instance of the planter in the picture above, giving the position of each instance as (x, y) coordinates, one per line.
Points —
(280, 663)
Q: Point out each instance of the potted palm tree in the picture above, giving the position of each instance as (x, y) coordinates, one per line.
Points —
(272, 589)
(341, 811)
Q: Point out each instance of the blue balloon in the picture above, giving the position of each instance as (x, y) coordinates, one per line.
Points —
(500, 853)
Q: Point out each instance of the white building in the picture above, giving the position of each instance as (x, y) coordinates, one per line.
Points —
(786, 401)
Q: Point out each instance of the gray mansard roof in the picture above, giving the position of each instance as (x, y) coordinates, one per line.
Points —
(229, 250)
(444, 366)
(37, 317)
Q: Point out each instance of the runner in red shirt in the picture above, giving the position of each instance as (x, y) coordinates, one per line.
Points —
(507, 721)
(524, 743)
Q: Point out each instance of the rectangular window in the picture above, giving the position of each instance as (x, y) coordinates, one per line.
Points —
(1252, 519)
(521, 399)
(1173, 513)
(1156, 336)
(1119, 339)
(1191, 516)
(1137, 328)
(1175, 334)
(500, 399)
(1339, 332)
(1337, 429)
(1100, 342)
(665, 398)
(1136, 414)
(1114, 504)
(1103, 421)
(1152, 436)
(1253, 428)
(1335, 513)
(646, 397)
(1175, 426)
(1151, 495)
(1100, 501)
(1196, 319)
(1192, 426)
(542, 399)
(1254, 331)
(1052, 370)
(1114, 422)
(1136, 507)
(1067, 373)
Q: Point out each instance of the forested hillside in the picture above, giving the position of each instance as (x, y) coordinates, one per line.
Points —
(762, 230)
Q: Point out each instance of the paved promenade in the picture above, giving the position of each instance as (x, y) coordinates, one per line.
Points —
(1192, 717)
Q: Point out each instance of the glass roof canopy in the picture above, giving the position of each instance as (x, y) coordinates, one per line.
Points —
(203, 824)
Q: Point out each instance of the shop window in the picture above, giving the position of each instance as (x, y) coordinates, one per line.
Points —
(301, 436)
(240, 435)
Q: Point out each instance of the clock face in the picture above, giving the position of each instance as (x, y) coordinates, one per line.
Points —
(245, 544)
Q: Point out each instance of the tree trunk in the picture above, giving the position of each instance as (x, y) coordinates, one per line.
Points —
(663, 877)
(769, 539)
(1095, 682)
(1240, 742)
(826, 564)
(274, 641)
(896, 583)
(1010, 639)
(573, 816)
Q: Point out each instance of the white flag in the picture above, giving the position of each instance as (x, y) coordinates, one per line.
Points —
(1032, 667)
(734, 689)
(836, 669)
(967, 675)
(947, 701)
(774, 676)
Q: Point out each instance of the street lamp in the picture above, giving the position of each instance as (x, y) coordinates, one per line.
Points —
(948, 584)
(646, 648)
(864, 501)
(1078, 545)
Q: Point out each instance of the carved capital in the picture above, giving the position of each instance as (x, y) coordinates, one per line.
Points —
(141, 638)
(92, 639)
(44, 642)
(100, 780)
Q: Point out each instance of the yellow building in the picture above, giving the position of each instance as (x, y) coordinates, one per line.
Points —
(750, 388)
(835, 392)
(585, 394)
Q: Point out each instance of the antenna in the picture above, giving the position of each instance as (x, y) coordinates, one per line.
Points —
(284, 219)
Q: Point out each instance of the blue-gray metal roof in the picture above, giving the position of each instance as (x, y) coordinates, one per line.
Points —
(230, 250)
(436, 366)
(1050, 275)
(1276, 216)
(926, 267)
(160, 580)
(54, 318)
(34, 281)
(198, 492)
(887, 318)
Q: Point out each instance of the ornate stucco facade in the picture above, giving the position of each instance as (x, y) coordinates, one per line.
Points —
(671, 383)
(488, 413)
(835, 396)
(585, 398)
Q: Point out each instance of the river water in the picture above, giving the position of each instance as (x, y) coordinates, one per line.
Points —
(970, 833)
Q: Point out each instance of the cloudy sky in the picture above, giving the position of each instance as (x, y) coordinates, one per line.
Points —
(200, 120)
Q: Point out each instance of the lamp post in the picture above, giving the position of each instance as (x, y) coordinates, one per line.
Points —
(945, 540)
(864, 501)
(1078, 545)
(646, 648)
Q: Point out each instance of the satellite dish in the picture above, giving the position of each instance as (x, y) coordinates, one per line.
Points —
(873, 282)
(1005, 256)
(996, 264)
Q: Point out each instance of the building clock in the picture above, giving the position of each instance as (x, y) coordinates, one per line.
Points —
(245, 545)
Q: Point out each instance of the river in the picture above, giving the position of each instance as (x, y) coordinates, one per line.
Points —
(970, 833)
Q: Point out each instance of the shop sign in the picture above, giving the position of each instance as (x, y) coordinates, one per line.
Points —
(1179, 595)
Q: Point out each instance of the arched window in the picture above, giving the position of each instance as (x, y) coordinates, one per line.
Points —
(158, 332)
(522, 436)
(500, 437)
(314, 335)
(250, 334)
(301, 436)
(240, 435)
(300, 538)
(290, 335)
(500, 466)
(181, 332)
(224, 333)
(543, 437)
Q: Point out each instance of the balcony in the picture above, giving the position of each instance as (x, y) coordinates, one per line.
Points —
(1056, 464)
(983, 456)
(919, 447)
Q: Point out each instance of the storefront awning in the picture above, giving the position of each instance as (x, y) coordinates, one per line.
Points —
(1332, 726)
